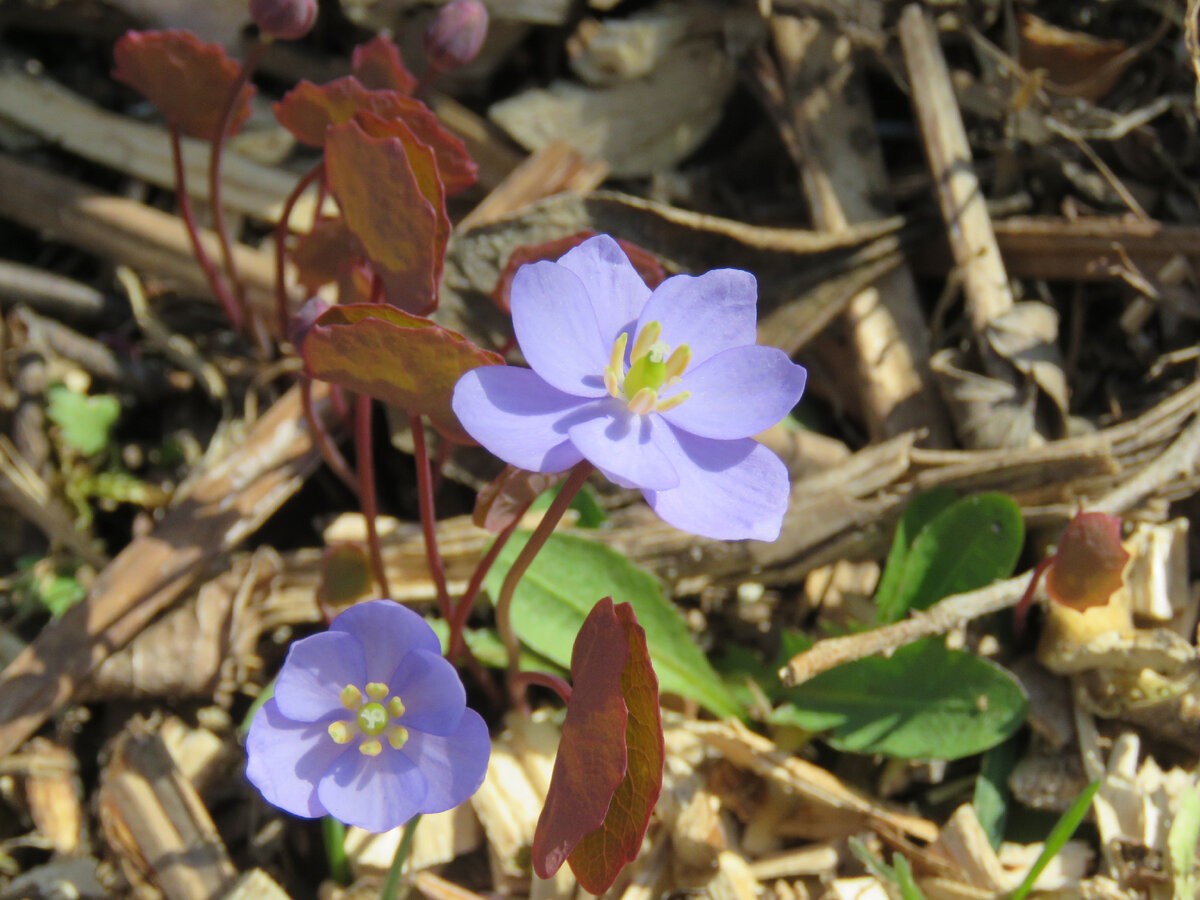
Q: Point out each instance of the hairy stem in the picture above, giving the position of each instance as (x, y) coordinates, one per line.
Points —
(214, 173)
(536, 541)
(425, 505)
(233, 312)
(282, 309)
(366, 487)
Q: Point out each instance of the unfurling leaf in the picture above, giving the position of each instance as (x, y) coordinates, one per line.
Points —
(1087, 567)
(405, 360)
(308, 111)
(188, 80)
(382, 185)
(379, 66)
(608, 719)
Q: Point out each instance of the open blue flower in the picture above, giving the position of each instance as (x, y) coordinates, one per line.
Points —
(661, 391)
(368, 724)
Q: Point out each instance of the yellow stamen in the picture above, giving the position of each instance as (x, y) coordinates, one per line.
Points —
(351, 697)
(395, 707)
(376, 690)
(643, 401)
(340, 732)
(678, 361)
(616, 361)
(398, 737)
(611, 383)
(672, 402)
(370, 748)
(648, 338)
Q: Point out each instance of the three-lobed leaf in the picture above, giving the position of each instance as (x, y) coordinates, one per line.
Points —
(187, 79)
(556, 594)
(925, 701)
(405, 360)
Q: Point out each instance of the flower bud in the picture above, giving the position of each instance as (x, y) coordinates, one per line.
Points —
(286, 20)
(456, 35)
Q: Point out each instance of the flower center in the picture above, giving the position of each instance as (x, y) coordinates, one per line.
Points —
(372, 718)
(653, 366)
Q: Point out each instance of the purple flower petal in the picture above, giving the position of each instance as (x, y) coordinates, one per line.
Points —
(387, 632)
(557, 329)
(433, 695)
(738, 393)
(728, 490)
(377, 793)
(616, 289)
(454, 765)
(316, 670)
(711, 312)
(286, 759)
(624, 446)
(517, 415)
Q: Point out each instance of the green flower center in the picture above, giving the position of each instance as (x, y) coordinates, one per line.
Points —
(653, 366)
(372, 718)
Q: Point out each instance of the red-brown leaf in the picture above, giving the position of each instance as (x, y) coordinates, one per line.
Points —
(380, 185)
(188, 80)
(647, 266)
(309, 110)
(600, 856)
(508, 495)
(1088, 565)
(379, 66)
(591, 761)
(405, 360)
(325, 254)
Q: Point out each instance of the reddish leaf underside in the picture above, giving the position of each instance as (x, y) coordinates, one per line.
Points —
(647, 266)
(345, 576)
(308, 111)
(600, 856)
(188, 80)
(508, 495)
(398, 358)
(1088, 565)
(376, 185)
(325, 254)
(379, 66)
(591, 760)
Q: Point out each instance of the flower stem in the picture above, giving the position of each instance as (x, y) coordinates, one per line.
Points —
(425, 505)
(366, 487)
(536, 541)
(214, 173)
(1021, 611)
(281, 232)
(232, 311)
(391, 884)
(545, 679)
(462, 609)
(325, 446)
(334, 834)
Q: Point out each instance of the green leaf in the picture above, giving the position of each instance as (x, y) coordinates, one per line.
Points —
(1057, 839)
(486, 646)
(904, 879)
(86, 422)
(1181, 845)
(921, 510)
(966, 546)
(562, 585)
(991, 790)
(586, 503)
(923, 702)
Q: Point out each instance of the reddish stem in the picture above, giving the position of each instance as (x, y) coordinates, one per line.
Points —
(545, 679)
(439, 462)
(321, 437)
(462, 610)
(1021, 610)
(214, 173)
(232, 311)
(425, 506)
(366, 487)
(536, 541)
(282, 307)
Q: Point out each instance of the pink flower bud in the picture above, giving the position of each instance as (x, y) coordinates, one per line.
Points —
(456, 35)
(286, 20)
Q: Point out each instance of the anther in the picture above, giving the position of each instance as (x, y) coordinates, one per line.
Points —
(648, 337)
(370, 748)
(677, 362)
(351, 697)
(397, 737)
(672, 402)
(643, 401)
(340, 732)
(616, 360)
(395, 707)
(376, 690)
